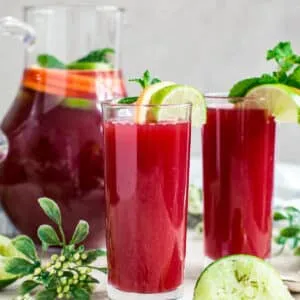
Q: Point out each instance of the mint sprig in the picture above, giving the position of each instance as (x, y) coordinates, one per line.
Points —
(67, 275)
(287, 72)
(145, 80)
(289, 235)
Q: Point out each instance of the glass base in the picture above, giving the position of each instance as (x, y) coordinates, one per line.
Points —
(115, 294)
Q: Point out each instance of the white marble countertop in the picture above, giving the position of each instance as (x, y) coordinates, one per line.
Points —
(194, 264)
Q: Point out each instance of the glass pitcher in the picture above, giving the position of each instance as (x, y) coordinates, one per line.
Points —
(54, 125)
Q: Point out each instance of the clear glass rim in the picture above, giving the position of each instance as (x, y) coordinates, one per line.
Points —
(113, 104)
(98, 7)
(223, 97)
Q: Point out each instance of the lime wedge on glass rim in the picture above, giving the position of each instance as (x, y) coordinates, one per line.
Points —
(239, 277)
(282, 101)
(167, 93)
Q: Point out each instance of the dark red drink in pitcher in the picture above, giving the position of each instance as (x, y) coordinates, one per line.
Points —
(54, 129)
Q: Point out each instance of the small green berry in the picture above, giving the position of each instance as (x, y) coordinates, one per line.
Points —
(60, 273)
(76, 281)
(66, 265)
(54, 257)
(75, 275)
(37, 271)
(84, 256)
(64, 280)
(76, 256)
(60, 296)
(79, 263)
(52, 272)
(57, 265)
(82, 277)
(66, 289)
(59, 289)
(62, 258)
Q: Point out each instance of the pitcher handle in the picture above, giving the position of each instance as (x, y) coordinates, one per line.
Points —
(13, 27)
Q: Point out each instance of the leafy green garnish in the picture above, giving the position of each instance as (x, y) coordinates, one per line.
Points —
(100, 55)
(288, 71)
(49, 61)
(128, 100)
(68, 274)
(290, 234)
(95, 56)
(146, 80)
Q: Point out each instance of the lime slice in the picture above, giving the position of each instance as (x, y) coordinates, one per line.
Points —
(90, 66)
(239, 277)
(282, 101)
(179, 94)
(195, 203)
(7, 250)
(145, 98)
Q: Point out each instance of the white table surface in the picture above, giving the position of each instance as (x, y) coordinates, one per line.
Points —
(194, 264)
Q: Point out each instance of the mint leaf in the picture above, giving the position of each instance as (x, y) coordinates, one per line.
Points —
(128, 100)
(294, 78)
(81, 232)
(28, 286)
(48, 236)
(99, 55)
(92, 255)
(280, 52)
(49, 61)
(51, 209)
(80, 294)
(290, 231)
(46, 295)
(241, 88)
(25, 245)
(146, 80)
(19, 266)
(279, 216)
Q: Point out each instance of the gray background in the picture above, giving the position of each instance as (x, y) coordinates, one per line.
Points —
(206, 43)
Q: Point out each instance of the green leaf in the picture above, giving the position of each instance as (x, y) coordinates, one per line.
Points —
(51, 209)
(80, 294)
(46, 295)
(279, 216)
(91, 279)
(297, 251)
(25, 245)
(280, 240)
(99, 55)
(280, 51)
(48, 236)
(19, 266)
(292, 210)
(241, 88)
(146, 80)
(290, 231)
(49, 61)
(155, 80)
(92, 255)
(28, 286)
(81, 232)
(128, 100)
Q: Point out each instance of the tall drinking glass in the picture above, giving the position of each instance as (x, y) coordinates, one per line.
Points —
(238, 166)
(146, 173)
